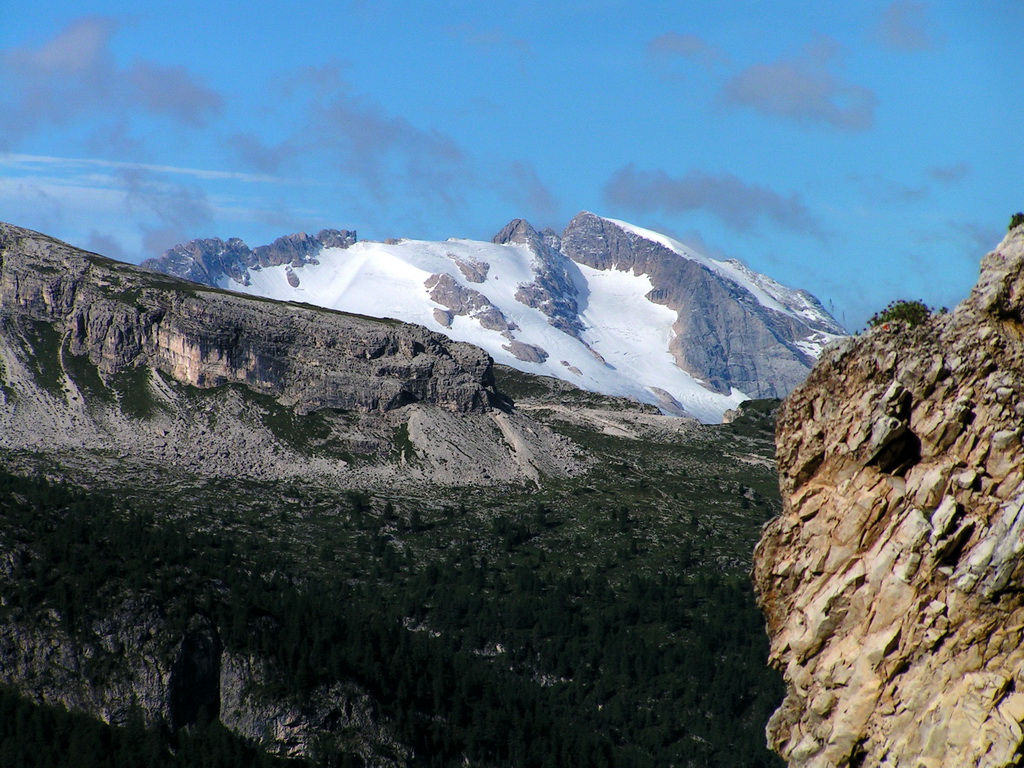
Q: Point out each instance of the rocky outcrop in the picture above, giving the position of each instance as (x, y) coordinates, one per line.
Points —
(129, 663)
(473, 271)
(554, 289)
(123, 317)
(463, 301)
(723, 335)
(891, 583)
(207, 260)
(343, 715)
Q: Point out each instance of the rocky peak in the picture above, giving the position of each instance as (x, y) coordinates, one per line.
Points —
(518, 231)
(891, 583)
(553, 290)
(724, 335)
(208, 260)
(205, 261)
(589, 239)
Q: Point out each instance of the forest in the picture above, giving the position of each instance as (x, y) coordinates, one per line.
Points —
(586, 625)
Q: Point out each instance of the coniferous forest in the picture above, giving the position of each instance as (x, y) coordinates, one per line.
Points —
(586, 627)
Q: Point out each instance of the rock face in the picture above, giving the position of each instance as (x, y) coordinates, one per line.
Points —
(129, 663)
(722, 335)
(554, 290)
(208, 260)
(534, 299)
(123, 317)
(892, 581)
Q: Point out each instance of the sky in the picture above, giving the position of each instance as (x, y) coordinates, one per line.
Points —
(864, 151)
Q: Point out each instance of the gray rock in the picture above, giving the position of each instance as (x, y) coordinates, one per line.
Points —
(459, 300)
(528, 353)
(209, 260)
(555, 289)
(122, 318)
(724, 336)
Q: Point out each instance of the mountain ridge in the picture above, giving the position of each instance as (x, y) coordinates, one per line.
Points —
(608, 306)
(223, 382)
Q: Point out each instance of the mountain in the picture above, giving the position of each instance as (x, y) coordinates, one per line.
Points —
(237, 531)
(891, 583)
(607, 306)
(87, 344)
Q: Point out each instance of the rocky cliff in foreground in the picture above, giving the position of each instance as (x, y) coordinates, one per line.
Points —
(892, 582)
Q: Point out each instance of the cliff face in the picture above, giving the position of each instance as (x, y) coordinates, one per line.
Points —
(122, 317)
(129, 663)
(106, 364)
(723, 336)
(892, 581)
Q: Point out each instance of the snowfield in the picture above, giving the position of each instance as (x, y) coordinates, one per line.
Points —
(623, 349)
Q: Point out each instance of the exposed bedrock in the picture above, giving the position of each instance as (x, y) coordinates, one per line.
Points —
(122, 316)
(723, 336)
(892, 582)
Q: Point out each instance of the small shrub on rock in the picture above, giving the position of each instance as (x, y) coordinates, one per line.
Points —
(1016, 220)
(908, 313)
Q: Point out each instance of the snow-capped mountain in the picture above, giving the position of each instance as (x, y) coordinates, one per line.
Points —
(608, 306)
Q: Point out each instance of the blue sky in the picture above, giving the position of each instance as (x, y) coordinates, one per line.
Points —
(864, 151)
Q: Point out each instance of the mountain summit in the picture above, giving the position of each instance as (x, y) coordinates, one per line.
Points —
(611, 307)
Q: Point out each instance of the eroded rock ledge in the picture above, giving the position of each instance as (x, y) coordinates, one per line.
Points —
(122, 316)
(892, 582)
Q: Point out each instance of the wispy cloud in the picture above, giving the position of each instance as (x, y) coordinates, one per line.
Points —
(879, 187)
(904, 27)
(950, 174)
(492, 41)
(172, 91)
(359, 143)
(30, 162)
(686, 46)
(739, 205)
(254, 152)
(528, 190)
(74, 74)
(173, 213)
(976, 239)
(133, 210)
(804, 89)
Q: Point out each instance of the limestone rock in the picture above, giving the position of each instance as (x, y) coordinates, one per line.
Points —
(207, 260)
(891, 583)
(723, 336)
(121, 317)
